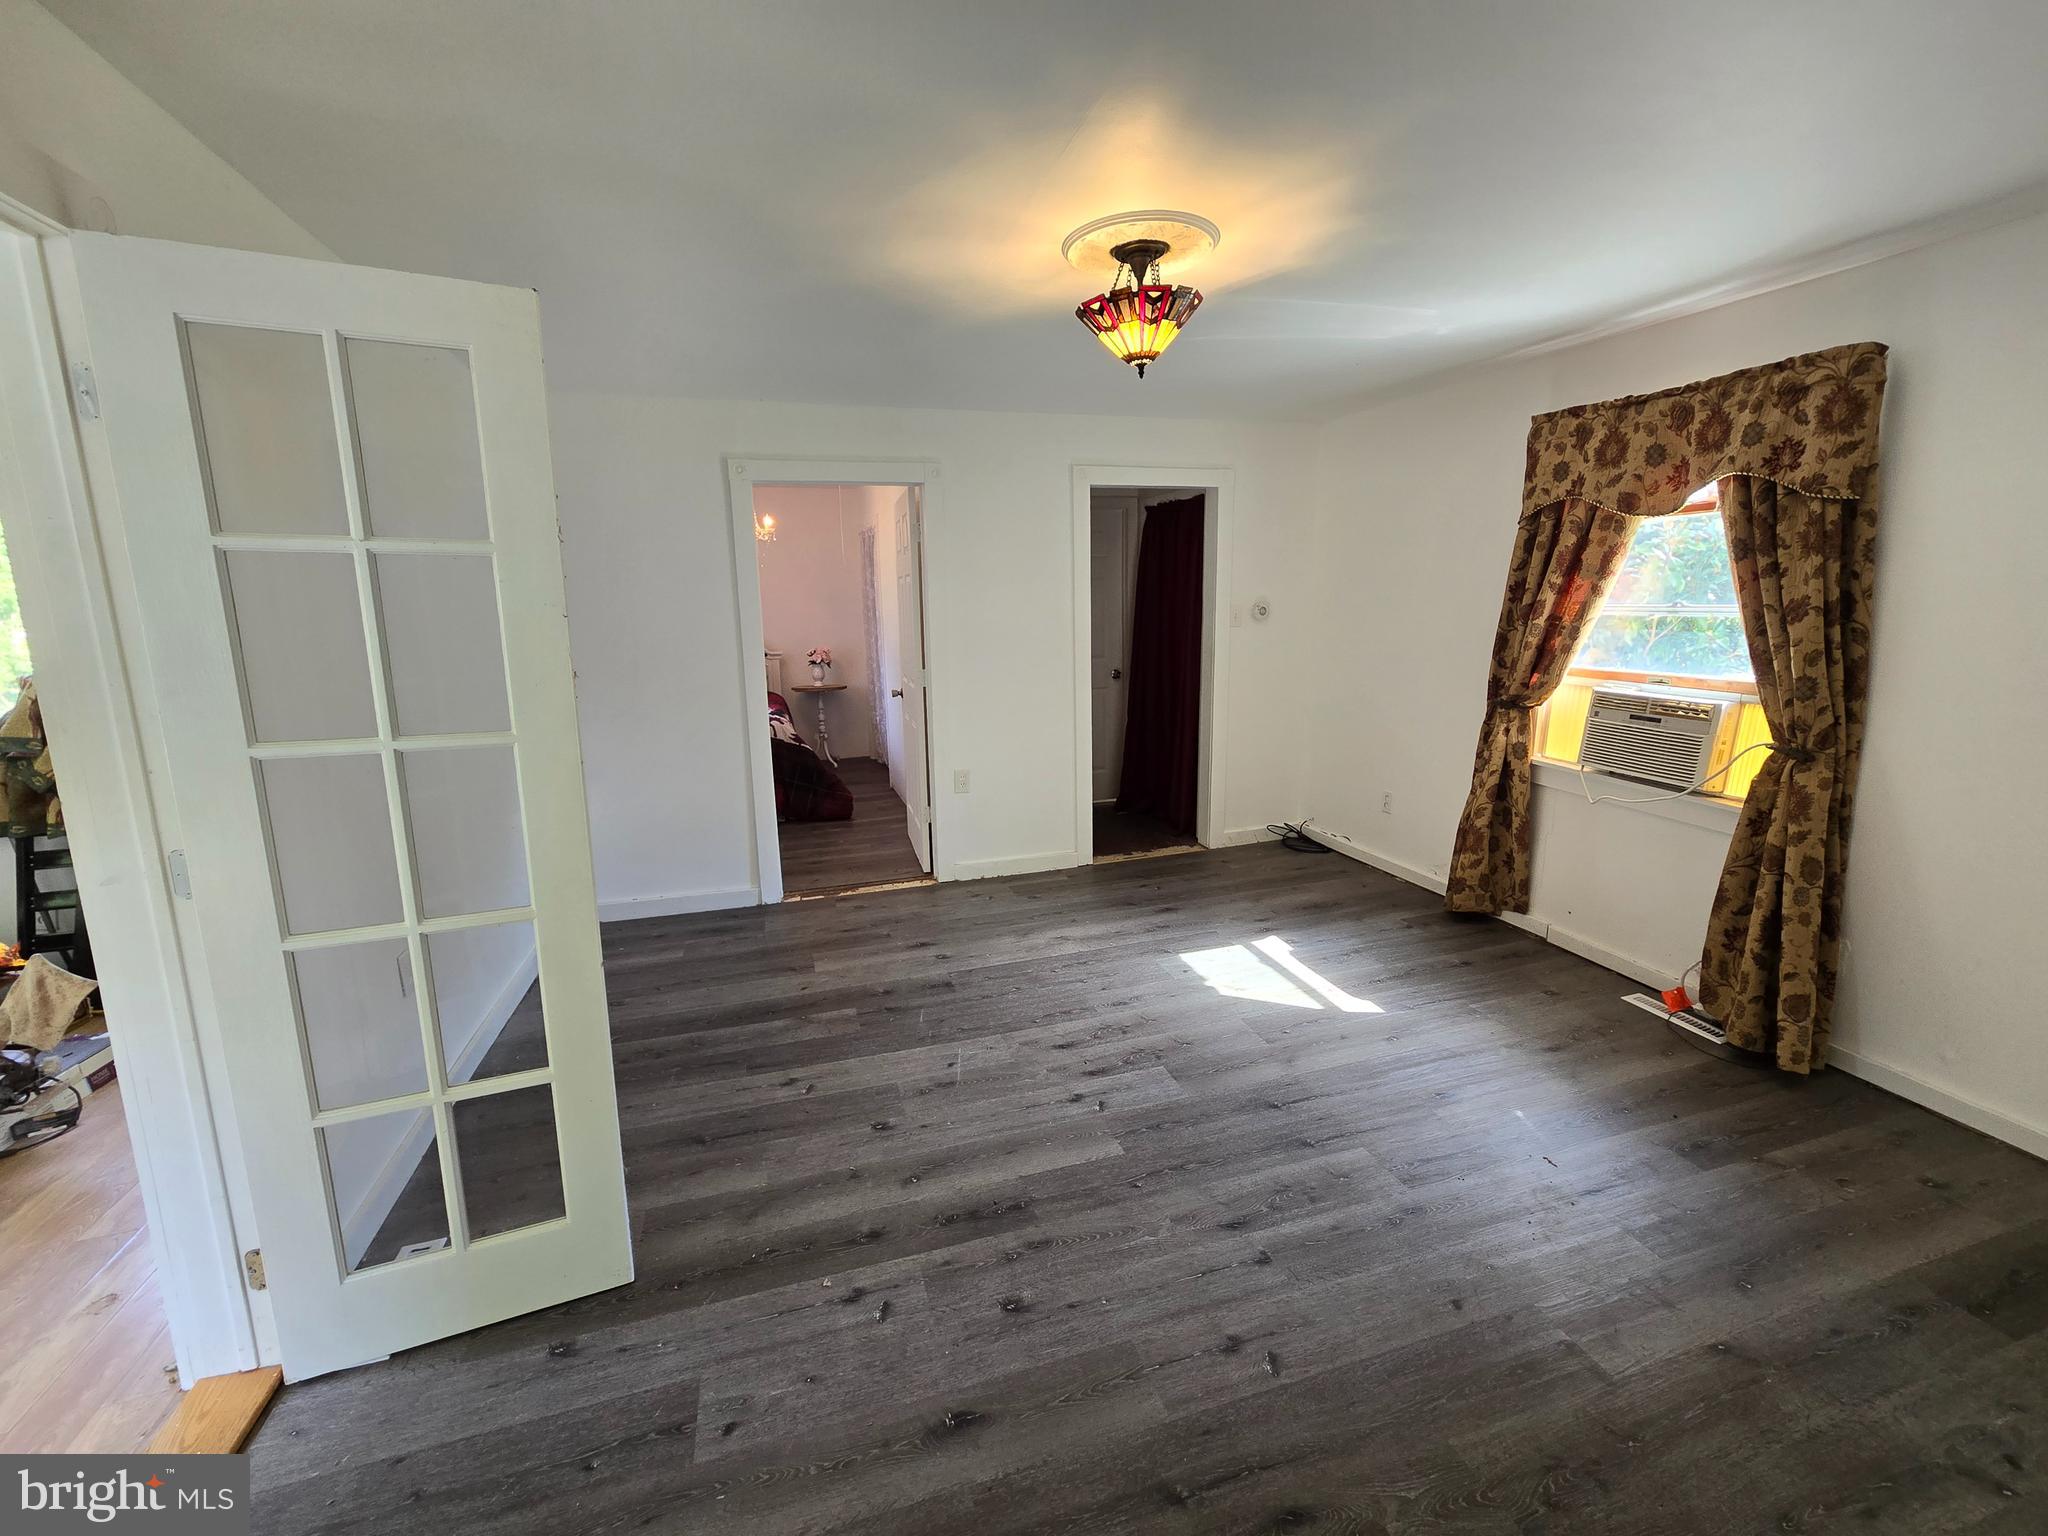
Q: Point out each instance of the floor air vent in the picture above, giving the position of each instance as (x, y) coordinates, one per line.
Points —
(1694, 1027)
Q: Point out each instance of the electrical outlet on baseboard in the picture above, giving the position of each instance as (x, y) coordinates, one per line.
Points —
(959, 781)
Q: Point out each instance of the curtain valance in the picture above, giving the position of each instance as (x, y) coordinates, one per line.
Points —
(1808, 423)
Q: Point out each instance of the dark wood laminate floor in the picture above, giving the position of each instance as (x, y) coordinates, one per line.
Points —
(872, 849)
(1118, 834)
(1053, 1204)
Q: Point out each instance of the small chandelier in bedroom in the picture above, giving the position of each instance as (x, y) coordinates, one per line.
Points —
(1139, 313)
(764, 527)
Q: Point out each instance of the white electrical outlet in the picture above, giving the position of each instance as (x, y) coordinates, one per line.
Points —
(959, 781)
(1386, 805)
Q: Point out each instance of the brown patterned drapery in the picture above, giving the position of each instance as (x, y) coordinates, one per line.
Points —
(1803, 574)
(1794, 445)
(1564, 560)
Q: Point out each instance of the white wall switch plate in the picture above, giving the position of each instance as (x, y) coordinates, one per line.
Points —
(959, 781)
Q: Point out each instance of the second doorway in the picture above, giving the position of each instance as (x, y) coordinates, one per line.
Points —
(1146, 561)
(842, 600)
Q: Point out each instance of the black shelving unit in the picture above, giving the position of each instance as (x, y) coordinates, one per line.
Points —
(48, 920)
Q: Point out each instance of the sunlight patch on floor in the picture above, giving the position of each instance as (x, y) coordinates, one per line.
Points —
(1268, 971)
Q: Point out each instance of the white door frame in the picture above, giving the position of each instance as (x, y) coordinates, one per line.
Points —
(1217, 488)
(743, 472)
(70, 567)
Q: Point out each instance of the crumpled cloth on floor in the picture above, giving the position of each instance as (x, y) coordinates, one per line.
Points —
(42, 1004)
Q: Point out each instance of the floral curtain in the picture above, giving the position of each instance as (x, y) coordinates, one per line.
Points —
(1803, 575)
(1794, 445)
(1564, 559)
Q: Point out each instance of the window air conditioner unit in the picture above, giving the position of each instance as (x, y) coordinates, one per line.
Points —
(1659, 736)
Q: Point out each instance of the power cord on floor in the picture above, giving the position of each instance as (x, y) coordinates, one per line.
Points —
(1294, 836)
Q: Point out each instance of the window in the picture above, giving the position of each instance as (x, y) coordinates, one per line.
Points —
(14, 662)
(1671, 617)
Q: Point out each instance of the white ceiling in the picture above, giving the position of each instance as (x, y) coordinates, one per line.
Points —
(862, 201)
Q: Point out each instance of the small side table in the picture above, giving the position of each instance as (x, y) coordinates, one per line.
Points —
(821, 689)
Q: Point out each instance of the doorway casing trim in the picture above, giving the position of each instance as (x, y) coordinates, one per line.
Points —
(1217, 487)
(64, 534)
(743, 472)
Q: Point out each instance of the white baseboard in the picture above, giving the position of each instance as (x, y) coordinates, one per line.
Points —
(361, 1225)
(1979, 1117)
(1339, 843)
(627, 908)
(1017, 864)
(1992, 1122)
(1240, 836)
(1626, 965)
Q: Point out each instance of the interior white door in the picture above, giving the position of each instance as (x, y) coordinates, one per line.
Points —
(338, 504)
(1109, 638)
(914, 672)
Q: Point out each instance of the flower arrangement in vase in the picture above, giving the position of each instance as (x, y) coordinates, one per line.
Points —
(820, 658)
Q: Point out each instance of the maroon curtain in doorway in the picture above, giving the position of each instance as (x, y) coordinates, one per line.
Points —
(1163, 716)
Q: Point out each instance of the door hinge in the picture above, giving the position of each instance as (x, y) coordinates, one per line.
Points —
(181, 874)
(252, 1262)
(85, 391)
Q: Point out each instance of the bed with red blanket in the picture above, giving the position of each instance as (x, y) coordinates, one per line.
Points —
(806, 788)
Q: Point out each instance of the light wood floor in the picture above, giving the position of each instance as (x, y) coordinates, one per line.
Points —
(872, 849)
(83, 1341)
(1049, 1204)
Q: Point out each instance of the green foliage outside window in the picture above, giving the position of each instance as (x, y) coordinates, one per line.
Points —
(1672, 612)
(14, 662)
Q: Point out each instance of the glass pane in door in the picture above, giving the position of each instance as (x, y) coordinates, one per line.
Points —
(297, 624)
(439, 614)
(511, 1165)
(384, 1177)
(267, 439)
(468, 844)
(487, 1000)
(360, 1016)
(329, 821)
(415, 421)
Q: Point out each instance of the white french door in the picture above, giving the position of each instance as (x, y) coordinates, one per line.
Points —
(915, 674)
(338, 508)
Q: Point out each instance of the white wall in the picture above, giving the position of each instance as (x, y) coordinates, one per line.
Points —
(811, 595)
(652, 614)
(82, 145)
(1417, 506)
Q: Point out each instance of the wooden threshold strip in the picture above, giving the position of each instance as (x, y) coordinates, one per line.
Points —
(219, 1414)
(861, 890)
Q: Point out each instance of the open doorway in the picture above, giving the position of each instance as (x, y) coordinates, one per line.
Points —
(840, 577)
(92, 1367)
(1145, 659)
(1151, 630)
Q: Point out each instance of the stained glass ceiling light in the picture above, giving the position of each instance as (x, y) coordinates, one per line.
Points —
(1140, 314)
